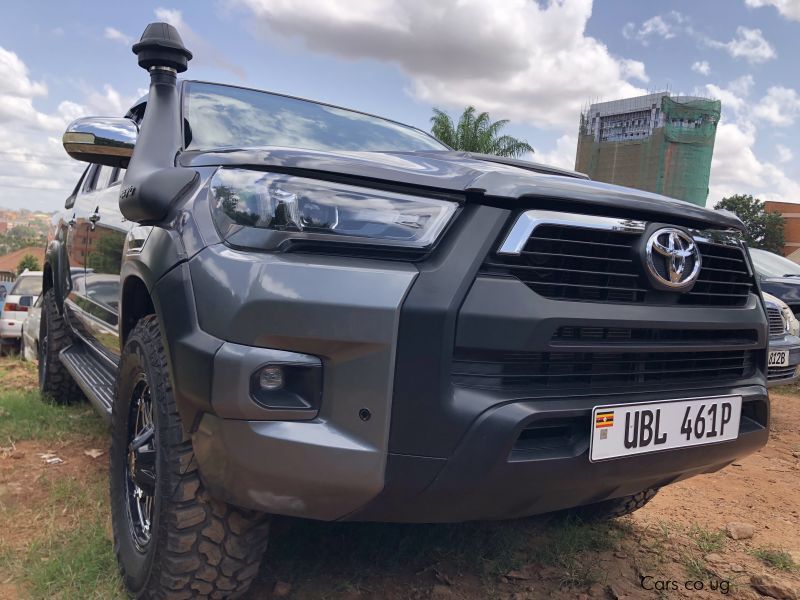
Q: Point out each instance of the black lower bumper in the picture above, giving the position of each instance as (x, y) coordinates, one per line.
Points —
(499, 472)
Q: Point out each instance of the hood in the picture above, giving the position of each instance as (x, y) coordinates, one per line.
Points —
(786, 280)
(489, 179)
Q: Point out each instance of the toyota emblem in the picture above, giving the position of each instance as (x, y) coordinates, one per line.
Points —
(673, 260)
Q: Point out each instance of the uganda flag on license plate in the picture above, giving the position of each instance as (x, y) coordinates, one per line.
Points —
(604, 419)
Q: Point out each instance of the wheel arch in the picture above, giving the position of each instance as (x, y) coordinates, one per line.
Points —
(136, 302)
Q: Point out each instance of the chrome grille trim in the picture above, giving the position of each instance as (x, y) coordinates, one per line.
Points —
(776, 327)
(568, 256)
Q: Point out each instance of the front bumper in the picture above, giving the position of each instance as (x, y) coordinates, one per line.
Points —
(487, 477)
(431, 449)
(788, 373)
(493, 479)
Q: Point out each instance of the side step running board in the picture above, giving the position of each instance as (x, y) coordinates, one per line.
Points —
(94, 378)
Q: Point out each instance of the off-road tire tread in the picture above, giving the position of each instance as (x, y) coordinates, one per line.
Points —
(616, 507)
(206, 547)
(58, 386)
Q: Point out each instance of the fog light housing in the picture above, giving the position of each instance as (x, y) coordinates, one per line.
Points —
(280, 386)
(271, 378)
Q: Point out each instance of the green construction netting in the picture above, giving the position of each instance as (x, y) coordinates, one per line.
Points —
(675, 160)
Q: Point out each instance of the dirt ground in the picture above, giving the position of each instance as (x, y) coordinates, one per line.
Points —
(678, 539)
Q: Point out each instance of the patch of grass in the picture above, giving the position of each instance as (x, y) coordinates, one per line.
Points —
(695, 566)
(707, 541)
(357, 553)
(571, 536)
(24, 416)
(777, 559)
(364, 555)
(658, 537)
(74, 564)
(567, 542)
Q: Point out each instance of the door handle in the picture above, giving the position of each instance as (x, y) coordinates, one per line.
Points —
(94, 219)
(72, 222)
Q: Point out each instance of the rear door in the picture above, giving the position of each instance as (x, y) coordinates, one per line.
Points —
(105, 241)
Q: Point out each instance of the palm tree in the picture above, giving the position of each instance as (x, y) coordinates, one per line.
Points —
(476, 133)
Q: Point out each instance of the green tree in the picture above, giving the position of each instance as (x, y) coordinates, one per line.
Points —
(764, 229)
(106, 257)
(30, 262)
(476, 133)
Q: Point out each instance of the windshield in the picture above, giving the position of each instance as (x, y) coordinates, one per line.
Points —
(221, 116)
(768, 264)
(28, 285)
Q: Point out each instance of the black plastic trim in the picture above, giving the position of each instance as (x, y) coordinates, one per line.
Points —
(423, 422)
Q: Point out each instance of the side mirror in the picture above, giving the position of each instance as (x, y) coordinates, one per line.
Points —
(102, 140)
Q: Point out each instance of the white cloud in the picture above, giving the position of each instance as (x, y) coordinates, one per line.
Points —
(14, 80)
(749, 44)
(779, 107)
(633, 69)
(517, 59)
(701, 67)
(734, 96)
(115, 35)
(203, 50)
(562, 155)
(35, 172)
(785, 153)
(735, 169)
(787, 8)
(666, 27)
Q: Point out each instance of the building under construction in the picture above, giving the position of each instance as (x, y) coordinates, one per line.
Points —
(658, 143)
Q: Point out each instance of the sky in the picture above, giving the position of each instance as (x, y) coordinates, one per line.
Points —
(536, 63)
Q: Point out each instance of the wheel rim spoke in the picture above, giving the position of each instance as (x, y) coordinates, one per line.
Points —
(141, 472)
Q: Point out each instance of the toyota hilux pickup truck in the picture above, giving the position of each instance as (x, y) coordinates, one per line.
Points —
(289, 308)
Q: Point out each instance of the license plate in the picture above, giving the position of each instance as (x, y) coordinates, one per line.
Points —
(629, 429)
(778, 358)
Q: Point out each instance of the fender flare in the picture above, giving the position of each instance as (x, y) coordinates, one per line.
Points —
(60, 274)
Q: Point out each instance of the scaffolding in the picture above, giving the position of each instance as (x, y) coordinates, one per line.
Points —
(656, 143)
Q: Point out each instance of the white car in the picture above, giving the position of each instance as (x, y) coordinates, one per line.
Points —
(27, 289)
(783, 360)
(29, 346)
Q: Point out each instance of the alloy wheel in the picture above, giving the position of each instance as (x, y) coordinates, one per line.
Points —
(140, 472)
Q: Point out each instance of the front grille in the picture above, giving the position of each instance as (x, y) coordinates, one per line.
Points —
(545, 371)
(621, 335)
(579, 263)
(778, 373)
(775, 321)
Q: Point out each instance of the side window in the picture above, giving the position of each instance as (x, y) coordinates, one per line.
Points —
(71, 200)
(116, 176)
(88, 181)
(103, 178)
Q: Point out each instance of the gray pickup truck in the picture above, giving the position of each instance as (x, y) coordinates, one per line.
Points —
(285, 307)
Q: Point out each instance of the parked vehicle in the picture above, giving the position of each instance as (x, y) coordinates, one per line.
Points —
(783, 360)
(5, 287)
(285, 307)
(778, 276)
(29, 344)
(22, 296)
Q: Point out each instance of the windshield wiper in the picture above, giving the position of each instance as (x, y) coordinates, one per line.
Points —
(791, 275)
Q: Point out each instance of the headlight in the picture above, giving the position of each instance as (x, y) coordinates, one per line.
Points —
(259, 209)
(790, 322)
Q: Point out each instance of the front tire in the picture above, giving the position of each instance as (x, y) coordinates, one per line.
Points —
(55, 382)
(615, 507)
(172, 540)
